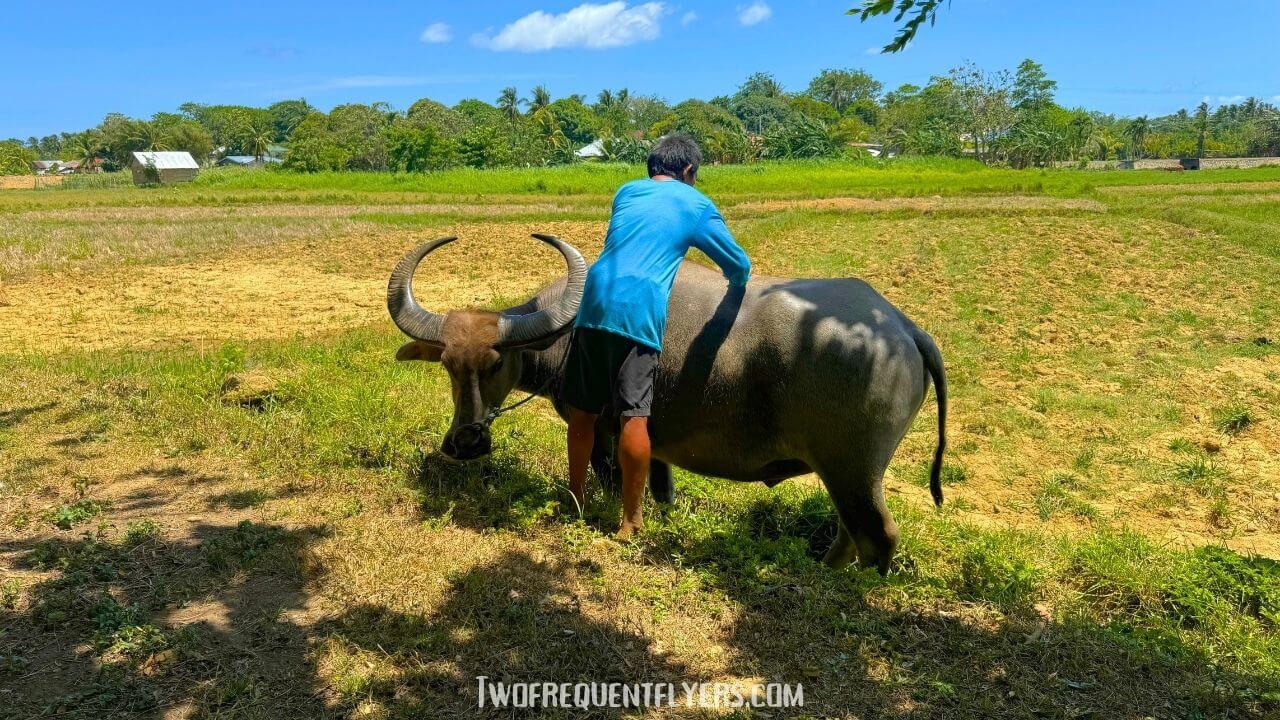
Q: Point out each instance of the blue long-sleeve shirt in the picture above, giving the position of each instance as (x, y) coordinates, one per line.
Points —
(654, 223)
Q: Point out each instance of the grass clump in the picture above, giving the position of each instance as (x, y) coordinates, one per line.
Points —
(999, 568)
(139, 531)
(1202, 473)
(1233, 419)
(1059, 494)
(240, 546)
(67, 516)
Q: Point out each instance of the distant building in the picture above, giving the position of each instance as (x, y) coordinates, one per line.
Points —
(77, 166)
(163, 168)
(593, 149)
(875, 150)
(275, 151)
(246, 161)
(53, 167)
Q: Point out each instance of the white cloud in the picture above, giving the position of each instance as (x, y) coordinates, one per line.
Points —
(688, 19)
(437, 33)
(755, 13)
(589, 25)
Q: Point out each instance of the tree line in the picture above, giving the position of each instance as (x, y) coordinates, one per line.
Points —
(1007, 117)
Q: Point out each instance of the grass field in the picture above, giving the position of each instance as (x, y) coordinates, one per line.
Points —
(219, 496)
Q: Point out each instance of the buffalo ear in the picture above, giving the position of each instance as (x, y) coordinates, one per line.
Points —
(419, 350)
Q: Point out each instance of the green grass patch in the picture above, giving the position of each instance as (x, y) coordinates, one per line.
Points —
(1233, 419)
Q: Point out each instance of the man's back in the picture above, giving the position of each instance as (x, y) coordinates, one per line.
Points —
(653, 225)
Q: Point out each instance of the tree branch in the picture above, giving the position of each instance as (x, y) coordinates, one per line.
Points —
(925, 11)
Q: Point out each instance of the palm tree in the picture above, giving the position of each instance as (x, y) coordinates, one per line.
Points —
(1136, 131)
(84, 148)
(541, 98)
(150, 137)
(256, 139)
(509, 103)
(1202, 127)
(550, 132)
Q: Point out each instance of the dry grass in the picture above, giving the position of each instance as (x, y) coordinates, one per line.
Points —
(28, 182)
(1012, 203)
(238, 371)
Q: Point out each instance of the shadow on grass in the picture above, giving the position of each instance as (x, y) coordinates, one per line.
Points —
(973, 641)
(145, 627)
(514, 619)
(15, 416)
(497, 492)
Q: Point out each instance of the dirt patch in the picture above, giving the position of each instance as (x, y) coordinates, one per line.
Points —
(1011, 203)
(284, 290)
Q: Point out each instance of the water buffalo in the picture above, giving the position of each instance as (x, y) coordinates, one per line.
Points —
(782, 378)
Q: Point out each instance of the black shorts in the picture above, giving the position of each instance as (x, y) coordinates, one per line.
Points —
(609, 372)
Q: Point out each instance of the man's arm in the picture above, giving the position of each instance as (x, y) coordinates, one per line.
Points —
(714, 239)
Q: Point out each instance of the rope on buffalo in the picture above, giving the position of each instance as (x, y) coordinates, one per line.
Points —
(495, 413)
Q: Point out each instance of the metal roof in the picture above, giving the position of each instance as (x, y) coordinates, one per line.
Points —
(247, 159)
(595, 148)
(166, 160)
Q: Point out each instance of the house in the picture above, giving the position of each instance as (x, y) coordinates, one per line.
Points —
(48, 167)
(594, 149)
(246, 161)
(275, 151)
(78, 166)
(875, 150)
(163, 168)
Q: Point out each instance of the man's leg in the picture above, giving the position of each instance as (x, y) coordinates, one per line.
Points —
(633, 455)
(582, 429)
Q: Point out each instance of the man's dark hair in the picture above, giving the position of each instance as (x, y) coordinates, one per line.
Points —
(672, 155)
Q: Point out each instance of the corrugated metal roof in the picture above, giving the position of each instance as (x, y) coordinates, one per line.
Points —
(247, 159)
(595, 148)
(166, 160)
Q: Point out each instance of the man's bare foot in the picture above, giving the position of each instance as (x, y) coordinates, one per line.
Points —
(629, 530)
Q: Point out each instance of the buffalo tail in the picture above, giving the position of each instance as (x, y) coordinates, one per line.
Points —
(933, 364)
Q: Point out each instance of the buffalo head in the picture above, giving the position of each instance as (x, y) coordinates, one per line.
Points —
(479, 348)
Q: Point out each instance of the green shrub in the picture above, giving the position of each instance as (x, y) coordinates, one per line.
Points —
(239, 546)
(65, 517)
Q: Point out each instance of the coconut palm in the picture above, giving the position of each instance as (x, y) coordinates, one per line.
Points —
(509, 104)
(1137, 131)
(549, 132)
(541, 98)
(84, 148)
(149, 136)
(257, 140)
(1202, 127)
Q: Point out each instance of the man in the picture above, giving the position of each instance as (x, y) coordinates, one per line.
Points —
(618, 334)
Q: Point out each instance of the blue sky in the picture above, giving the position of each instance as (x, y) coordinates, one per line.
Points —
(66, 64)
